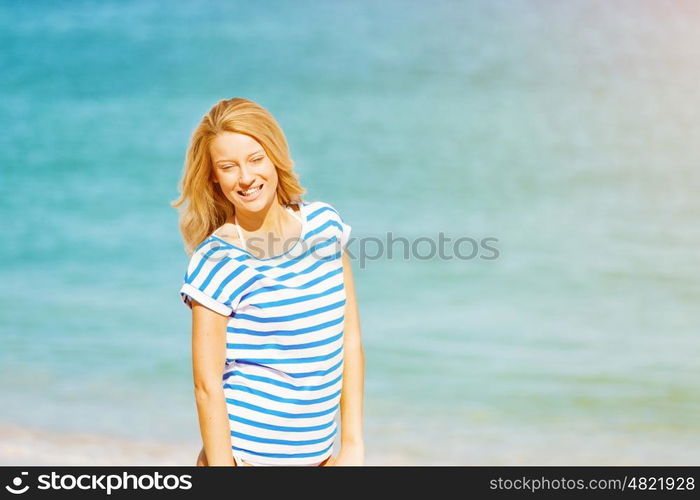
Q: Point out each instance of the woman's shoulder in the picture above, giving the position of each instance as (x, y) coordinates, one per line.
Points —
(218, 245)
(317, 207)
(226, 233)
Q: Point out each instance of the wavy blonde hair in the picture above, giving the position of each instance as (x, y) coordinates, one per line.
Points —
(207, 208)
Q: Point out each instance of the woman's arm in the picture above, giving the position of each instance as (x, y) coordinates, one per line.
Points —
(352, 449)
(208, 359)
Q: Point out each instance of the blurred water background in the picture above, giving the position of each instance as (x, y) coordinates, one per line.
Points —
(569, 131)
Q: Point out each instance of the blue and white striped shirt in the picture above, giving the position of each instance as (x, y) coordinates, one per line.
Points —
(284, 341)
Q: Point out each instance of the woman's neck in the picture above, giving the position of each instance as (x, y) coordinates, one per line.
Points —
(266, 221)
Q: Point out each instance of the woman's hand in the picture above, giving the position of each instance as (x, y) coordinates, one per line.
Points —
(349, 455)
(202, 459)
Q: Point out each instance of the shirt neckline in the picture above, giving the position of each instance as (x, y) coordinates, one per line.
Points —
(302, 214)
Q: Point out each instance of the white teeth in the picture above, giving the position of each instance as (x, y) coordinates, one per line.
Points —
(250, 191)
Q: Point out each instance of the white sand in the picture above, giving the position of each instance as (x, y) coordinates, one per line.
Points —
(23, 446)
(478, 446)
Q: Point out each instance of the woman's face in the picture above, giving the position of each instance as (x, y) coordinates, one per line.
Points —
(247, 176)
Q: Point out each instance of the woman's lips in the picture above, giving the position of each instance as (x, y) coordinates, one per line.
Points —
(252, 193)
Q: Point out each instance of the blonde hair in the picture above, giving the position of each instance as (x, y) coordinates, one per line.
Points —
(207, 208)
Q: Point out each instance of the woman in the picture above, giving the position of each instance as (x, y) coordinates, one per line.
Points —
(276, 343)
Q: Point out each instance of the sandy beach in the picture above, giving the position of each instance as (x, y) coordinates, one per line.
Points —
(26, 446)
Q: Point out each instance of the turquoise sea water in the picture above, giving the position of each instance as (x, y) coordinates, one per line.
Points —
(570, 132)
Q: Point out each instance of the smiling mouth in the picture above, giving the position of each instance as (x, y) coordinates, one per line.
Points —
(250, 191)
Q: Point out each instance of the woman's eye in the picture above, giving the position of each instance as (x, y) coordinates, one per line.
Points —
(257, 159)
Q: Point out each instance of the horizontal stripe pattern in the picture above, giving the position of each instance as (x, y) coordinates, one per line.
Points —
(284, 339)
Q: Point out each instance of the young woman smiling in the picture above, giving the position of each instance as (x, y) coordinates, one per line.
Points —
(276, 343)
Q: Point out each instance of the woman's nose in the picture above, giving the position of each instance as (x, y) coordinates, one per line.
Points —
(246, 177)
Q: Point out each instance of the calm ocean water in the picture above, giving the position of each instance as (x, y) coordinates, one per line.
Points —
(570, 132)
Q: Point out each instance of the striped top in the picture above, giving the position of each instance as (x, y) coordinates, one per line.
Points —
(284, 340)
